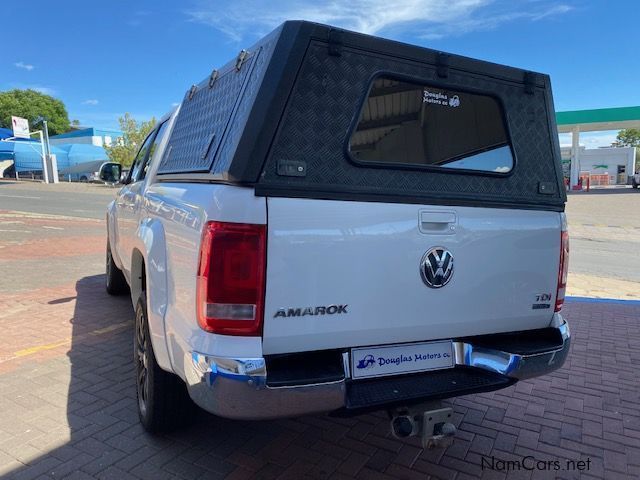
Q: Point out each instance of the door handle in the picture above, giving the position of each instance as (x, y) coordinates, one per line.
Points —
(438, 222)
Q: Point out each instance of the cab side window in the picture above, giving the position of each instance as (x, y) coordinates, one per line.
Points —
(137, 168)
(145, 156)
(161, 133)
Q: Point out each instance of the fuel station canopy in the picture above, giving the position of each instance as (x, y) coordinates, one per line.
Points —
(597, 120)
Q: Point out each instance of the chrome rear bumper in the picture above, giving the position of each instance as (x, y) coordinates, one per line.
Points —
(237, 388)
(513, 365)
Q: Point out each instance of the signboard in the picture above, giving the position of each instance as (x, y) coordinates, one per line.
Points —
(20, 127)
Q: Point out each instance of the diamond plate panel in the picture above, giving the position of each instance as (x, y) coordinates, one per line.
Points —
(327, 96)
(247, 99)
(202, 121)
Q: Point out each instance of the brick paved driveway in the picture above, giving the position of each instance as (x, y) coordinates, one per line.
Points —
(67, 397)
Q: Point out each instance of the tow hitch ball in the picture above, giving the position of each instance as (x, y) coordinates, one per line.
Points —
(434, 426)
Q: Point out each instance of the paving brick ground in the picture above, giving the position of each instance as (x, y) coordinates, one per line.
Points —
(67, 395)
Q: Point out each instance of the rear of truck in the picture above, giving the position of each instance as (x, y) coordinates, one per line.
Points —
(381, 225)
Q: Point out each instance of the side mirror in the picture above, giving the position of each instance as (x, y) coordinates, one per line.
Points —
(110, 172)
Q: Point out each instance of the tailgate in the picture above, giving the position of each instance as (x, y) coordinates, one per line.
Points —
(343, 274)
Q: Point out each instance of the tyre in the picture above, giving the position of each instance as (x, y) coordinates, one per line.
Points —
(115, 281)
(634, 184)
(163, 402)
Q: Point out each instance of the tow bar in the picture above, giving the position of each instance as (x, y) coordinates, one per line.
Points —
(431, 421)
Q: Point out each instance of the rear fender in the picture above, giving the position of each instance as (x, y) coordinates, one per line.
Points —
(150, 240)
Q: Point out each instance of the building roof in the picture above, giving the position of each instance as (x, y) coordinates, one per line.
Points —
(8, 133)
(598, 119)
(90, 132)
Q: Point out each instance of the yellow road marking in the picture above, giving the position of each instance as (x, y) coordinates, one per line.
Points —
(110, 328)
(40, 348)
(49, 346)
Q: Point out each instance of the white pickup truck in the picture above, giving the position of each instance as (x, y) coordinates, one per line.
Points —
(334, 222)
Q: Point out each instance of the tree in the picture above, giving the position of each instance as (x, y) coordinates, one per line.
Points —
(629, 137)
(33, 106)
(134, 133)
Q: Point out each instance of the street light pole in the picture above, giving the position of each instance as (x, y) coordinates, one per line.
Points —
(51, 171)
(47, 149)
(44, 138)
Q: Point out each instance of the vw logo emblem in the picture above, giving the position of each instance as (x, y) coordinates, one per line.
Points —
(436, 267)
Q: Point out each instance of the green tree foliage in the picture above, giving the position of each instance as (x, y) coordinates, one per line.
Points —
(629, 137)
(33, 105)
(124, 150)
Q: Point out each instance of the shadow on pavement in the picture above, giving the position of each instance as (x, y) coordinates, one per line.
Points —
(588, 410)
(105, 438)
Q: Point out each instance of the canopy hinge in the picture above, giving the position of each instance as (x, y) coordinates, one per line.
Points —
(335, 42)
(529, 82)
(192, 91)
(242, 57)
(213, 78)
(442, 64)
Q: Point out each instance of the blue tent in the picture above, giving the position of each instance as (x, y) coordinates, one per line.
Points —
(27, 156)
(80, 153)
(7, 133)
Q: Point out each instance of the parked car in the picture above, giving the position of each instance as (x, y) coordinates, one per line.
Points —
(91, 171)
(334, 222)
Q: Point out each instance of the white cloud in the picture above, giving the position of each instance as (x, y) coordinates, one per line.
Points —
(44, 90)
(24, 66)
(424, 18)
(136, 19)
(550, 11)
(591, 139)
(38, 88)
(493, 16)
(100, 119)
(91, 101)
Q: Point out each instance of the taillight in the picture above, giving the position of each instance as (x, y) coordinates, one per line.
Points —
(231, 278)
(563, 269)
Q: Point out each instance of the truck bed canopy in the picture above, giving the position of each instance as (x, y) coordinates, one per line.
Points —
(280, 117)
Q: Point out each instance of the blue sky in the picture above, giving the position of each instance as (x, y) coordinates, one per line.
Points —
(106, 58)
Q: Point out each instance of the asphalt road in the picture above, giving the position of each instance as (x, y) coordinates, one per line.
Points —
(75, 200)
(604, 229)
(606, 258)
(604, 224)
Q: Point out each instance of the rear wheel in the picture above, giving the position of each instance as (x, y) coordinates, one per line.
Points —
(634, 184)
(163, 401)
(115, 281)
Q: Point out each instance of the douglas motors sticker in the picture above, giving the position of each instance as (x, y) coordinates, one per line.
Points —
(440, 98)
